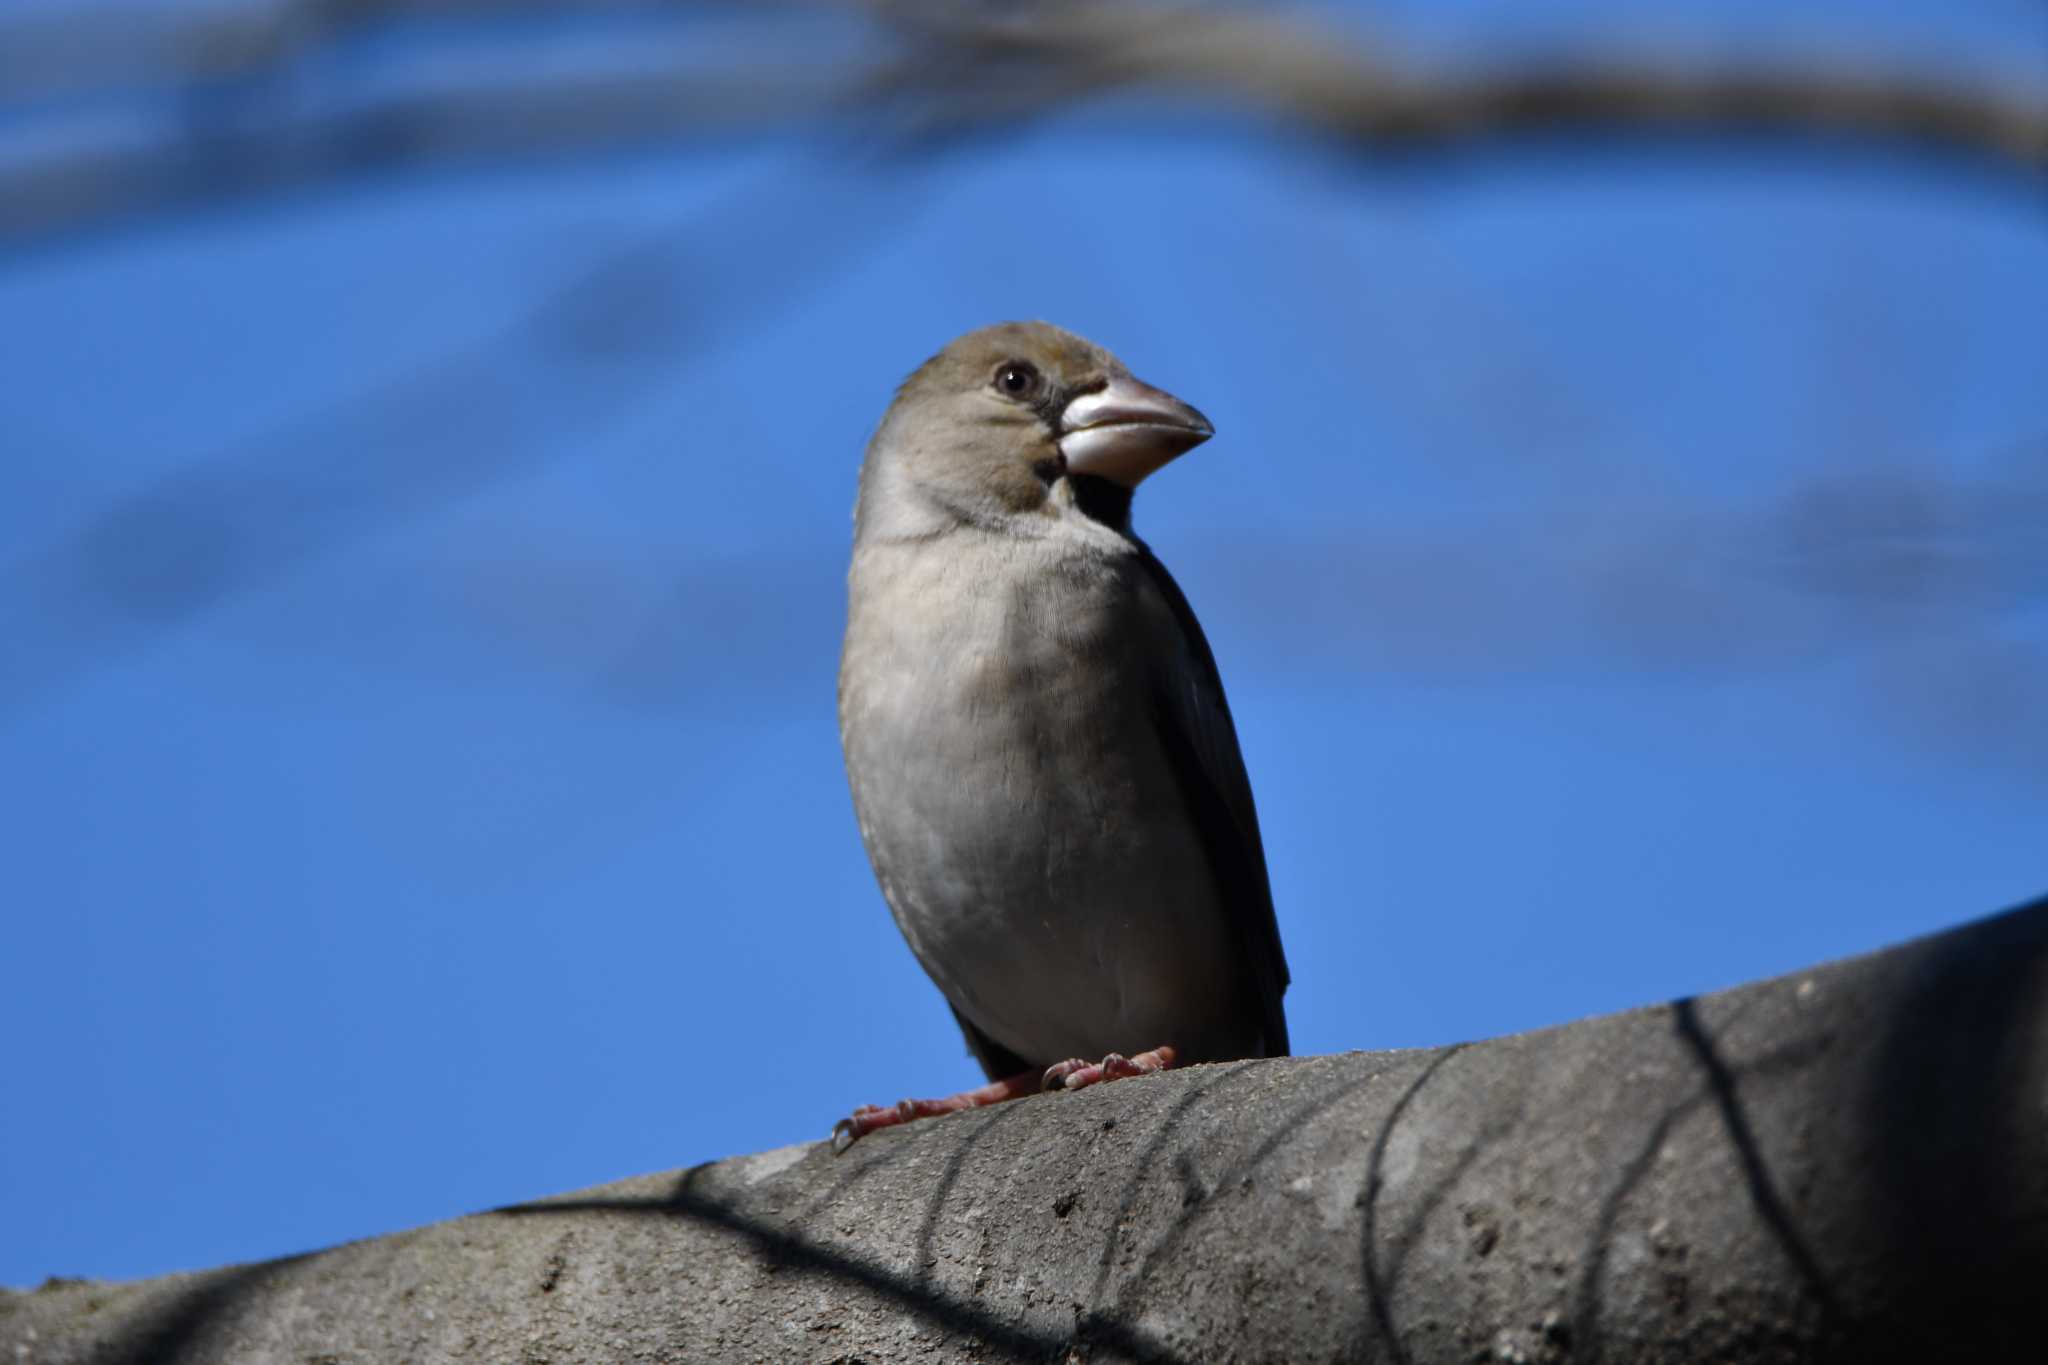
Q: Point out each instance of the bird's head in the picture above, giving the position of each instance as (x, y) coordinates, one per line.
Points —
(1016, 419)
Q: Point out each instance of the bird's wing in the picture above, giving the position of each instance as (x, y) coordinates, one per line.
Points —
(1194, 725)
(997, 1062)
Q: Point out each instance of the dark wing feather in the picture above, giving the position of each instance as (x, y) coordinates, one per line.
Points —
(1194, 725)
(998, 1063)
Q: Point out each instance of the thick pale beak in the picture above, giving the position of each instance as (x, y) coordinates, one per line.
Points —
(1125, 431)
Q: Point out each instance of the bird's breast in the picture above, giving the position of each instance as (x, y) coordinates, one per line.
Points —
(1016, 801)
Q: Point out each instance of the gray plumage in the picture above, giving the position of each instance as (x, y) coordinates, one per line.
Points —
(1042, 761)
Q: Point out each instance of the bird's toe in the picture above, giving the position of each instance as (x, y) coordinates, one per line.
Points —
(1075, 1074)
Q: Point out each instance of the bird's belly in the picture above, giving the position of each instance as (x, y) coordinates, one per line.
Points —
(1041, 862)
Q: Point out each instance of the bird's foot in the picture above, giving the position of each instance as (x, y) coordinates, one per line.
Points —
(869, 1117)
(1075, 1074)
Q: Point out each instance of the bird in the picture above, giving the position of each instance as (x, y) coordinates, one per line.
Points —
(1042, 761)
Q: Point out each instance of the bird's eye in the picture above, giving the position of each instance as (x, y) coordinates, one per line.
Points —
(1017, 379)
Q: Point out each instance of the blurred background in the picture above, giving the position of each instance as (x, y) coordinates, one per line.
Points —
(428, 431)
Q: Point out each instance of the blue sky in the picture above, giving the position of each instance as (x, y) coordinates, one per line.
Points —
(1625, 561)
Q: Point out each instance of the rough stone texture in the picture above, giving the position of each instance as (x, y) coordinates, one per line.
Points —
(1847, 1164)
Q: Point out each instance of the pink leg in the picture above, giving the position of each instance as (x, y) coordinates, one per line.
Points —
(869, 1117)
(1069, 1075)
(1075, 1074)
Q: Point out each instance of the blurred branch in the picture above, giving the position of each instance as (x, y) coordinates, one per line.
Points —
(245, 125)
(239, 518)
(251, 119)
(94, 44)
(1314, 76)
